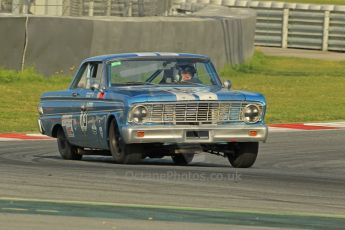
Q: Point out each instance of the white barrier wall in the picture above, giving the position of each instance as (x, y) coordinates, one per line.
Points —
(279, 24)
(58, 44)
(288, 25)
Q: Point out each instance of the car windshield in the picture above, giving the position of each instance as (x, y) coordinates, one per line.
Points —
(162, 72)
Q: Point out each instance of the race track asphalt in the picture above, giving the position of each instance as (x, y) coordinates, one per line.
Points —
(297, 182)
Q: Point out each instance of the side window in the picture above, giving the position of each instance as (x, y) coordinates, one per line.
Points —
(203, 74)
(90, 73)
(96, 73)
(82, 75)
(82, 81)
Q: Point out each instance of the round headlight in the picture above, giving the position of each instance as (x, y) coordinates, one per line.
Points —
(251, 113)
(138, 113)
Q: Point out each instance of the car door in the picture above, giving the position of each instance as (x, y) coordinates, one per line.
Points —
(92, 116)
(79, 119)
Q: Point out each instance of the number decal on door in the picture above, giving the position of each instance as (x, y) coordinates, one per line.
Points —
(83, 121)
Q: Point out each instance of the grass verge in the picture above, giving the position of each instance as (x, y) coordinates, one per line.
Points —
(20, 93)
(297, 90)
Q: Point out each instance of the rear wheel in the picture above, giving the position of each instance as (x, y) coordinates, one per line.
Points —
(121, 152)
(244, 154)
(183, 158)
(66, 149)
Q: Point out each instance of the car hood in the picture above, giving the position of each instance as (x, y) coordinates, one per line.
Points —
(135, 94)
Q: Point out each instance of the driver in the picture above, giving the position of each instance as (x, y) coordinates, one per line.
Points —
(187, 73)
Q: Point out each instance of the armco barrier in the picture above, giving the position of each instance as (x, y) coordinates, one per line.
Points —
(288, 25)
(57, 44)
(87, 7)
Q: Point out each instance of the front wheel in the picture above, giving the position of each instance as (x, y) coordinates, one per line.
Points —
(66, 149)
(244, 154)
(121, 152)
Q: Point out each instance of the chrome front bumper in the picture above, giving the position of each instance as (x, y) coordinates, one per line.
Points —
(40, 126)
(179, 134)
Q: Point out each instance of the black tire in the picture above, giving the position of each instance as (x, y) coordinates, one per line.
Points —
(182, 159)
(244, 154)
(67, 150)
(121, 152)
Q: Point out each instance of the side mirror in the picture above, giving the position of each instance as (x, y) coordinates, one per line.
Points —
(227, 84)
(95, 86)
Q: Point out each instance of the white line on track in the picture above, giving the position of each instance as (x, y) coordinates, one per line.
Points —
(134, 205)
(49, 211)
(9, 139)
(329, 124)
(15, 209)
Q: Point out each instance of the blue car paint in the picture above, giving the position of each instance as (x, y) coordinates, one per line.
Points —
(117, 102)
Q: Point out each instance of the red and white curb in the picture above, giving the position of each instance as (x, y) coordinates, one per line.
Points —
(272, 128)
(306, 126)
(21, 136)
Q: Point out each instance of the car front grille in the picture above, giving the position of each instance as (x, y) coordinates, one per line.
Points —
(194, 112)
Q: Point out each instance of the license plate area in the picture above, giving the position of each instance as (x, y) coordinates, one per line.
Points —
(197, 134)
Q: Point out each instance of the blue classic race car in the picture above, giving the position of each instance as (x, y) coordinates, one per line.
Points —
(137, 105)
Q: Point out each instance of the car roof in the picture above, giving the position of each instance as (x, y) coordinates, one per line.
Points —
(144, 55)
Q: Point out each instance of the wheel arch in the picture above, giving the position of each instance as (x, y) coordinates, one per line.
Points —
(55, 130)
(109, 120)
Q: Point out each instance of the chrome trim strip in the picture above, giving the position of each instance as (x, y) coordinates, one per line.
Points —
(40, 126)
(78, 113)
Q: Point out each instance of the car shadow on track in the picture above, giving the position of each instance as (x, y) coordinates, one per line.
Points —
(147, 161)
(166, 161)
